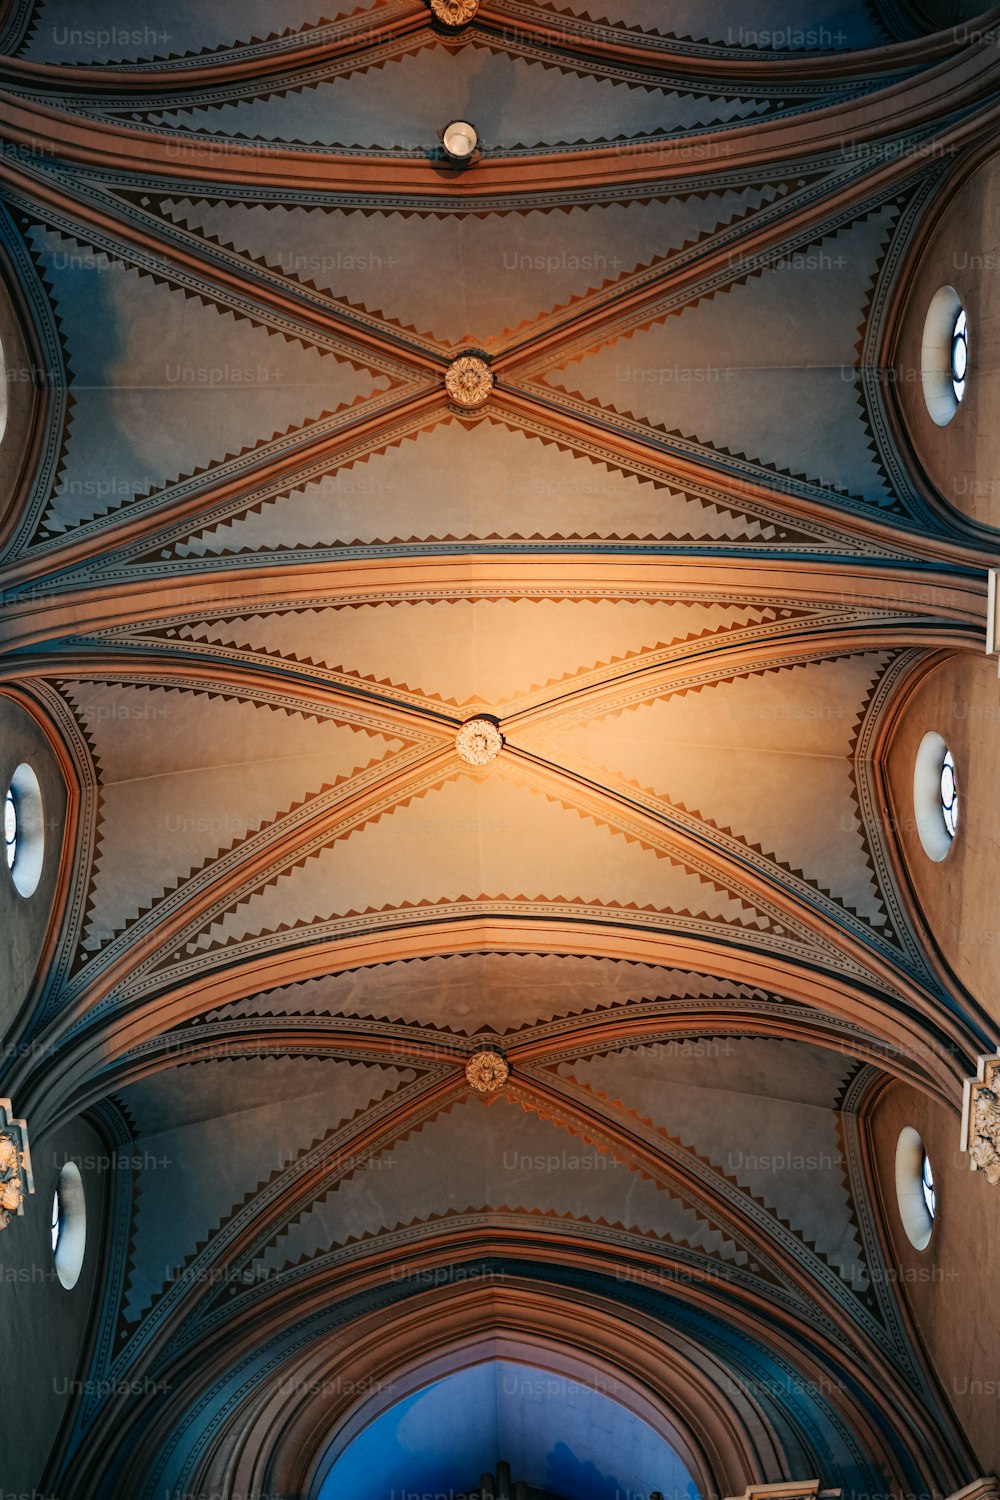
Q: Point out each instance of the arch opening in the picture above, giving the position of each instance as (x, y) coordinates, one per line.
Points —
(562, 1436)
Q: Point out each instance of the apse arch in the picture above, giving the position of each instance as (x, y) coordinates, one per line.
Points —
(305, 1421)
(257, 1404)
(561, 1433)
(547, 1355)
(714, 1403)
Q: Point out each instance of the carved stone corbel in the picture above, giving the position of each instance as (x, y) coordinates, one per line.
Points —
(16, 1181)
(789, 1489)
(981, 1119)
(985, 1488)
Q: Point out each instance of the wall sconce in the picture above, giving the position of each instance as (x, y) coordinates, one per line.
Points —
(461, 142)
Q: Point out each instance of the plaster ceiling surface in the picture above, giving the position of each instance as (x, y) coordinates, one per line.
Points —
(259, 570)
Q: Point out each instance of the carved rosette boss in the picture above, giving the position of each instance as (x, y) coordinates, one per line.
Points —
(16, 1181)
(454, 12)
(478, 741)
(468, 381)
(981, 1119)
(487, 1072)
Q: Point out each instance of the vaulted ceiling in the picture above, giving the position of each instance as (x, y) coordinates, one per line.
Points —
(259, 567)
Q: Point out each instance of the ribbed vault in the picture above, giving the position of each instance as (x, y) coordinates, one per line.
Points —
(259, 568)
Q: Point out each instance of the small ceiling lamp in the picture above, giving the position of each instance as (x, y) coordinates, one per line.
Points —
(460, 141)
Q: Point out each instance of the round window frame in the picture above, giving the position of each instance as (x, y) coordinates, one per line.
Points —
(917, 1219)
(937, 355)
(29, 839)
(70, 1242)
(936, 838)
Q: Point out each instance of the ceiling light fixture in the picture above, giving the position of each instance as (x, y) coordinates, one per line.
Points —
(460, 141)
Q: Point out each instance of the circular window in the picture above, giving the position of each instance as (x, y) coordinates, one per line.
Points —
(915, 1188)
(69, 1225)
(935, 796)
(944, 355)
(24, 829)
